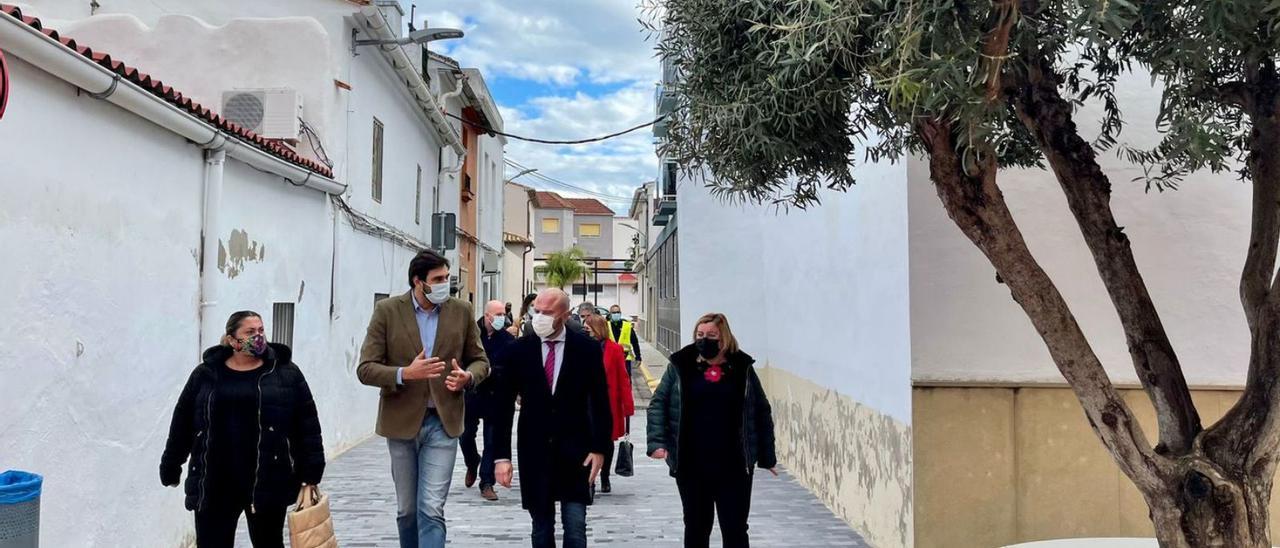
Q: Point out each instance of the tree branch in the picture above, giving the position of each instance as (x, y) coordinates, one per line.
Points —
(995, 48)
(1047, 115)
(1264, 231)
(974, 202)
(1239, 94)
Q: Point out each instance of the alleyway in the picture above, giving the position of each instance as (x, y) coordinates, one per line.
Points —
(643, 510)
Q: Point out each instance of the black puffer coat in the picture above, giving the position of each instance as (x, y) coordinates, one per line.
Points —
(290, 452)
(666, 420)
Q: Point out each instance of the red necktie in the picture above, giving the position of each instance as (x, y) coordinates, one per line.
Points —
(550, 366)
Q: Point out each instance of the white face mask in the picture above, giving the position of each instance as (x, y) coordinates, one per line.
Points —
(543, 325)
(439, 293)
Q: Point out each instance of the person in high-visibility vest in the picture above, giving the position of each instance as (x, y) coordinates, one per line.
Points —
(623, 333)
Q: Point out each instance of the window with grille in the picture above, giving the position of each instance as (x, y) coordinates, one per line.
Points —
(417, 201)
(282, 324)
(377, 160)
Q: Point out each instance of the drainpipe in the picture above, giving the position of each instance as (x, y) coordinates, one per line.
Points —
(524, 269)
(213, 162)
(460, 151)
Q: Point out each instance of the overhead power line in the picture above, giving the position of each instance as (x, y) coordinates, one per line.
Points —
(551, 180)
(488, 129)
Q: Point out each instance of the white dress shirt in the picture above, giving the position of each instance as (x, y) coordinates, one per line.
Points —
(559, 339)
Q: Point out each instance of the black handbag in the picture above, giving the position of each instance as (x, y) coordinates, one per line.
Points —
(626, 466)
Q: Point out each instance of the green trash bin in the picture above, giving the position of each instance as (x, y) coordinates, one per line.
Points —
(20, 509)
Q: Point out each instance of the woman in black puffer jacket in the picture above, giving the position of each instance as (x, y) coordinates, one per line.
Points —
(712, 423)
(247, 420)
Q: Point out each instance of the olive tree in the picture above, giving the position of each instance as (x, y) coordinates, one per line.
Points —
(778, 97)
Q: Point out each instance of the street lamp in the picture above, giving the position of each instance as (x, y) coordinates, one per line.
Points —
(416, 37)
(525, 172)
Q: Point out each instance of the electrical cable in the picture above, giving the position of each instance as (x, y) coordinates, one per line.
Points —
(488, 129)
(317, 145)
(554, 181)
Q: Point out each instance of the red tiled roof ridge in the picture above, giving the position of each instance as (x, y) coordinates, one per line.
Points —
(170, 95)
(550, 200)
(589, 206)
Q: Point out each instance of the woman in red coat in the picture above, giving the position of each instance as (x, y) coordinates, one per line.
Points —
(621, 403)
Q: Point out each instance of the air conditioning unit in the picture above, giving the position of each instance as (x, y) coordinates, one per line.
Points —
(272, 113)
(490, 263)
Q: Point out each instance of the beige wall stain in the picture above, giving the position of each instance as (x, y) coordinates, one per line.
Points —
(855, 459)
(238, 250)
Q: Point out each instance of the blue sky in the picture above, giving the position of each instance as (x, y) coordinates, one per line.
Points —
(563, 69)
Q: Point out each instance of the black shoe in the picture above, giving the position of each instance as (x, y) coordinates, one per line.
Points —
(471, 477)
(604, 486)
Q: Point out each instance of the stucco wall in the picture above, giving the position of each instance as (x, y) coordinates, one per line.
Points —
(820, 296)
(103, 233)
(553, 242)
(100, 269)
(595, 247)
(1189, 244)
(997, 466)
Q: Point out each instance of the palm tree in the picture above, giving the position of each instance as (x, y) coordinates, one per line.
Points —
(563, 267)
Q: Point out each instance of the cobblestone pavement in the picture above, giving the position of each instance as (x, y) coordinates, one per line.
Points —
(643, 510)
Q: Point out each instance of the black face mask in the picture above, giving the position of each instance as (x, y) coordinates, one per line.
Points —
(707, 348)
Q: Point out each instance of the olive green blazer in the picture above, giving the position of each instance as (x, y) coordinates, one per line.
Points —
(393, 341)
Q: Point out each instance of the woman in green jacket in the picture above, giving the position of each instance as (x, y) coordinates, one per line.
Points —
(711, 421)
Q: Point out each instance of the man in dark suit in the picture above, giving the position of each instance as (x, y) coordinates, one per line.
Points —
(565, 421)
(480, 402)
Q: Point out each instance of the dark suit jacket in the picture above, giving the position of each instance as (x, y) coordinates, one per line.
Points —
(481, 398)
(393, 341)
(557, 431)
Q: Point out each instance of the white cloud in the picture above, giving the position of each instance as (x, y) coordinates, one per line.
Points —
(615, 166)
(565, 44)
(603, 39)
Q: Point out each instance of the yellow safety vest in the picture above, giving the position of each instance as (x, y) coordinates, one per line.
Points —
(624, 339)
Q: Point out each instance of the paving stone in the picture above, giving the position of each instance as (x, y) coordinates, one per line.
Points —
(643, 510)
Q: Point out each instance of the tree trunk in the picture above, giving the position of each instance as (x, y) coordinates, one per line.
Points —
(1197, 498)
(1202, 505)
(1048, 116)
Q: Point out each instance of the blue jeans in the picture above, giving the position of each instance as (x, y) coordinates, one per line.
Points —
(422, 470)
(573, 517)
(482, 458)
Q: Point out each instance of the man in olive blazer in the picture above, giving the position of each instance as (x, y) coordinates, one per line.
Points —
(422, 351)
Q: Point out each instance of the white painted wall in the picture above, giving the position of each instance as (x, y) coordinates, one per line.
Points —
(821, 293)
(1189, 244)
(100, 231)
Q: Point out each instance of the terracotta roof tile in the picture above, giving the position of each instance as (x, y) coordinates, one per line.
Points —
(589, 206)
(551, 200)
(170, 95)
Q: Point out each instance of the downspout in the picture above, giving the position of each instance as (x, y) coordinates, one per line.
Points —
(524, 269)
(460, 152)
(213, 162)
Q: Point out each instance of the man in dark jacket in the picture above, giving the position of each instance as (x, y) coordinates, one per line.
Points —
(564, 421)
(480, 401)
